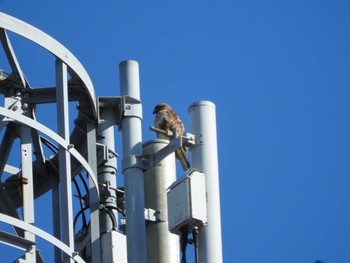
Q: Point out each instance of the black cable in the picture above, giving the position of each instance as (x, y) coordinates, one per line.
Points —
(111, 215)
(84, 183)
(195, 234)
(81, 202)
(183, 242)
(54, 149)
(116, 208)
(78, 214)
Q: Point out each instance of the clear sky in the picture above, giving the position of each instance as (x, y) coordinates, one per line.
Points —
(279, 74)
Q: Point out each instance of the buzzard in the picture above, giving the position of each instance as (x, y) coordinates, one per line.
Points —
(166, 119)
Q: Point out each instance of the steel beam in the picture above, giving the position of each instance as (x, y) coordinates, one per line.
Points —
(10, 54)
(16, 241)
(93, 195)
(7, 207)
(27, 188)
(6, 145)
(67, 231)
(56, 219)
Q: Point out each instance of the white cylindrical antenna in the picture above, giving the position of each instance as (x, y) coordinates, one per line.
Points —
(162, 246)
(133, 175)
(205, 158)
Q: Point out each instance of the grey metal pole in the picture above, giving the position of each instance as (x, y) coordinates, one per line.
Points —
(162, 246)
(64, 157)
(107, 178)
(28, 188)
(205, 158)
(107, 171)
(93, 198)
(56, 220)
(133, 175)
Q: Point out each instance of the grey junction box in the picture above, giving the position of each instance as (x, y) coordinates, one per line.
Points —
(187, 203)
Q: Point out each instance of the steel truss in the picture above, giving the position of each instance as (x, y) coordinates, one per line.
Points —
(39, 173)
(54, 157)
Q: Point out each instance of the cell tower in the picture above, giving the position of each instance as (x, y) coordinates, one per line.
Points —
(93, 218)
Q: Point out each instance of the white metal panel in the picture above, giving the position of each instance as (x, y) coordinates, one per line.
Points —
(187, 203)
(179, 205)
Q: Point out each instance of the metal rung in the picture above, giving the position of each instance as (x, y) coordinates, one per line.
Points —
(15, 241)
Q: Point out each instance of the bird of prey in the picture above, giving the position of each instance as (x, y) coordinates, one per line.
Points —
(166, 119)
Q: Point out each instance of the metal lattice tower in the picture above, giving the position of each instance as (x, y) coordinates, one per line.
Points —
(71, 158)
(40, 173)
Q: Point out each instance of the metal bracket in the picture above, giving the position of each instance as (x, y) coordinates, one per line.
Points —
(111, 103)
(198, 139)
(130, 107)
(147, 161)
(107, 153)
(132, 161)
(14, 104)
(188, 139)
(154, 215)
(107, 197)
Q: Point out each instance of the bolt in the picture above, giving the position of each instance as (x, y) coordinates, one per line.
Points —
(24, 180)
(25, 106)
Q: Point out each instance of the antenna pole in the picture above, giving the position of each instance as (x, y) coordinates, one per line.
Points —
(205, 158)
(107, 178)
(162, 246)
(133, 174)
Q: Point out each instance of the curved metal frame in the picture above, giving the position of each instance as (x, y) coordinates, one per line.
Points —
(77, 145)
(48, 132)
(50, 44)
(44, 235)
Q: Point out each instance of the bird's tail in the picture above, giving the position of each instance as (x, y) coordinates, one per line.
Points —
(181, 155)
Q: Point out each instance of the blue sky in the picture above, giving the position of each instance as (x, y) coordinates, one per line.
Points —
(279, 74)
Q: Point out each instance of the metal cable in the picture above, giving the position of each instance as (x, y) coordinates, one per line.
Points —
(183, 242)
